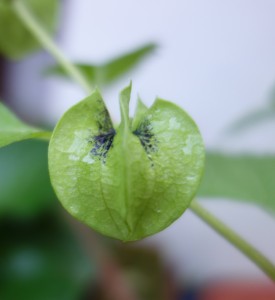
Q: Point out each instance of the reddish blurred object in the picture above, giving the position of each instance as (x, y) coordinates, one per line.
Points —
(240, 290)
(144, 272)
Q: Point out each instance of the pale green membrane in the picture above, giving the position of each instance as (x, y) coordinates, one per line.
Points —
(128, 190)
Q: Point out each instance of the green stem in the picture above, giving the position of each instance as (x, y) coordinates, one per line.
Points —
(45, 136)
(259, 259)
(42, 36)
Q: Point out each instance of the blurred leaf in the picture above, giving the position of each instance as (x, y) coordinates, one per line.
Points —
(25, 188)
(42, 260)
(241, 177)
(106, 73)
(256, 117)
(15, 40)
(252, 119)
(272, 97)
(119, 66)
(13, 130)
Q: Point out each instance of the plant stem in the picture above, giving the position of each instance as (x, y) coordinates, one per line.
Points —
(259, 259)
(42, 36)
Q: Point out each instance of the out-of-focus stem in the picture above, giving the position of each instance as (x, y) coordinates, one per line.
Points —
(113, 281)
(26, 16)
(247, 249)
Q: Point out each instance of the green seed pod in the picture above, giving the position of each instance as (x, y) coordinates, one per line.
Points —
(131, 181)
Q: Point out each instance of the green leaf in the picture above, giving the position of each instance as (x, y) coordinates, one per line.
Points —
(252, 119)
(131, 182)
(119, 66)
(106, 73)
(42, 260)
(15, 40)
(240, 177)
(13, 130)
(256, 117)
(25, 189)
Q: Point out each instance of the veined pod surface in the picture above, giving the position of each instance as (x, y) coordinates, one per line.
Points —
(130, 181)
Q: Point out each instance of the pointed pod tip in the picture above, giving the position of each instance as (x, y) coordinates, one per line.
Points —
(140, 103)
(127, 89)
(96, 90)
(140, 111)
(124, 101)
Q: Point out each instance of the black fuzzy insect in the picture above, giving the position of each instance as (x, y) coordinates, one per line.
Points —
(102, 143)
(147, 138)
(103, 140)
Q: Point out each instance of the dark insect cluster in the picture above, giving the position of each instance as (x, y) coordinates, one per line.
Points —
(103, 140)
(102, 143)
(147, 138)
